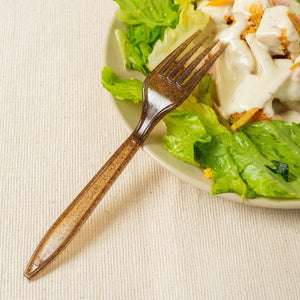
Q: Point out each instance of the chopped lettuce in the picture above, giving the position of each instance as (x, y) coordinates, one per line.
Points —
(203, 91)
(146, 22)
(184, 130)
(190, 21)
(129, 89)
(149, 12)
(240, 161)
(243, 154)
(138, 45)
(206, 114)
(225, 172)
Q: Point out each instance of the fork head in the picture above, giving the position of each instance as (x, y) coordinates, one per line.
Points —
(173, 80)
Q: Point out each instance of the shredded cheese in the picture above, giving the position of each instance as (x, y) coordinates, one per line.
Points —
(296, 22)
(295, 66)
(208, 173)
(245, 118)
(218, 2)
(256, 10)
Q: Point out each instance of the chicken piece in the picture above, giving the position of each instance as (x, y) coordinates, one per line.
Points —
(257, 90)
(281, 38)
(290, 91)
(293, 5)
(281, 2)
(244, 6)
(296, 22)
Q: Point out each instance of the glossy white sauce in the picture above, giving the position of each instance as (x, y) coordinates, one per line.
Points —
(274, 24)
(247, 75)
(243, 6)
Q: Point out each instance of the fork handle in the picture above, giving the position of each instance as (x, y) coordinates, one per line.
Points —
(70, 221)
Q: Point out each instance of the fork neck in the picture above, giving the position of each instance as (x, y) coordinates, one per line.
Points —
(155, 107)
(144, 127)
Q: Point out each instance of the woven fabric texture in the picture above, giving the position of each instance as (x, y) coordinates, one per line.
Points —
(153, 236)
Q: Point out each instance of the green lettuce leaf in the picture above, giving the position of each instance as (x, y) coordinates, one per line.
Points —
(281, 168)
(262, 159)
(129, 89)
(184, 130)
(149, 12)
(190, 20)
(206, 114)
(225, 172)
(146, 22)
(203, 91)
(197, 123)
(277, 141)
(243, 162)
(138, 45)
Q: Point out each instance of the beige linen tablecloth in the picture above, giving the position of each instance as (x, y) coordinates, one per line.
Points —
(153, 236)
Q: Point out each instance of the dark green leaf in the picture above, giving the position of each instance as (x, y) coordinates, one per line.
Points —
(281, 169)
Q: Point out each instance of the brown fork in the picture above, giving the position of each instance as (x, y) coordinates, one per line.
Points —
(165, 88)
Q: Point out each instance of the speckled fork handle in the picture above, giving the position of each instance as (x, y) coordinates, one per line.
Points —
(164, 89)
(75, 215)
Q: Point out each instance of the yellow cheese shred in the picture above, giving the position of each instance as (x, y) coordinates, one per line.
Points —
(219, 2)
(244, 118)
(208, 173)
(295, 66)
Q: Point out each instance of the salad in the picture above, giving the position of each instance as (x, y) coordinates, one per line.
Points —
(241, 124)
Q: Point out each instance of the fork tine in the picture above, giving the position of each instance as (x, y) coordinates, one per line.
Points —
(173, 55)
(179, 64)
(180, 79)
(197, 76)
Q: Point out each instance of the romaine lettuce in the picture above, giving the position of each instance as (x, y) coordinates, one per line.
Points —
(206, 114)
(190, 21)
(149, 12)
(146, 22)
(184, 130)
(123, 89)
(242, 162)
(250, 163)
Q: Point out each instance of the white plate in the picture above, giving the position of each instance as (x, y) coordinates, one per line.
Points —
(130, 113)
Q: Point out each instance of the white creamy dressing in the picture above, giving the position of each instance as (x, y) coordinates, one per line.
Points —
(247, 74)
(242, 6)
(269, 35)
